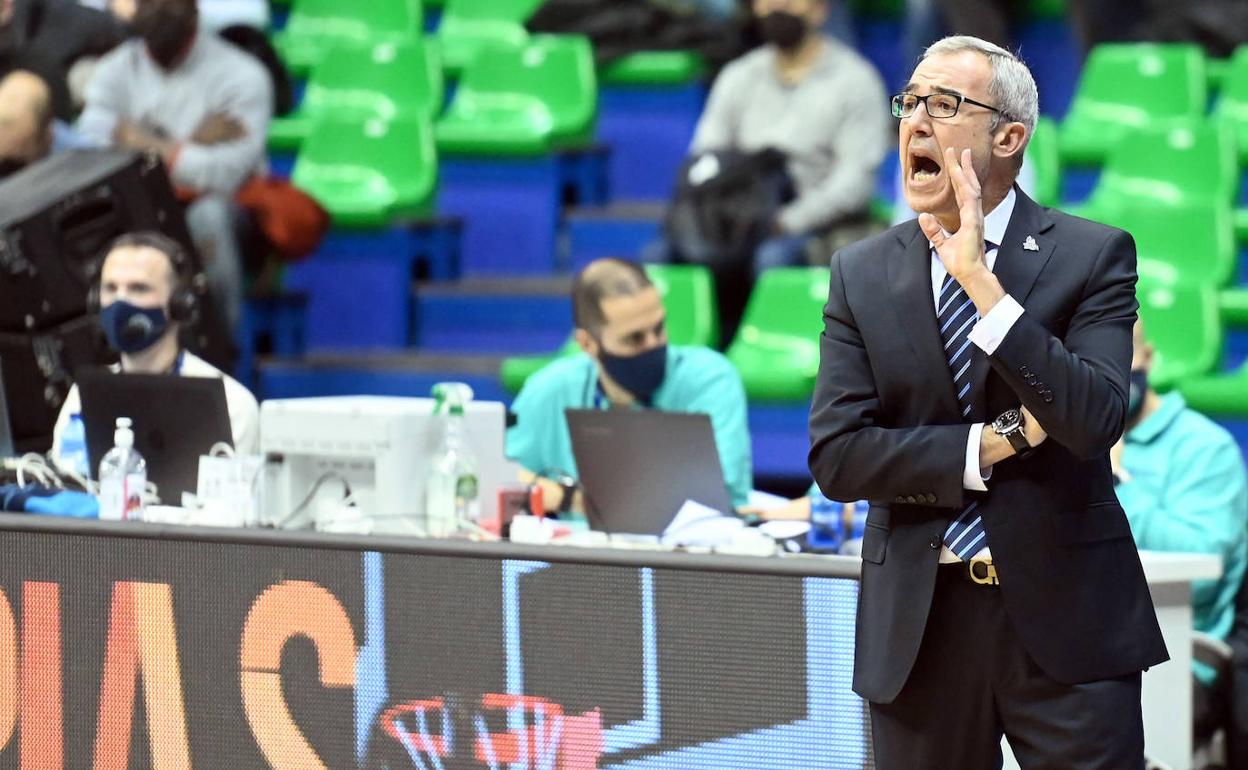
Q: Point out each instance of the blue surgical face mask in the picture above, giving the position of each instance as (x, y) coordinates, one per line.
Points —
(1135, 396)
(640, 375)
(130, 329)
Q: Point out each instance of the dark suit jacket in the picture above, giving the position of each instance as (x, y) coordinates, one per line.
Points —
(885, 426)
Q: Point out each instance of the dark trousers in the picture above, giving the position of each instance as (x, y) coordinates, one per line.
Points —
(973, 682)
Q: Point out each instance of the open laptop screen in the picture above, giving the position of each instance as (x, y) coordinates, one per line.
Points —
(638, 467)
(175, 419)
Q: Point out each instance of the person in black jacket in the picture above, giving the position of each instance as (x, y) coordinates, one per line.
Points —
(974, 369)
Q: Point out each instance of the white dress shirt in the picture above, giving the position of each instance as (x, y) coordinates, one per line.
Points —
(986, 334)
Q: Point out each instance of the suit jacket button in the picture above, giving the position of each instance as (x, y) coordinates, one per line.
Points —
(1048, 398)
(1023, 370)
(911, 499)
(931, 499)
(899, 499)
(935, 543)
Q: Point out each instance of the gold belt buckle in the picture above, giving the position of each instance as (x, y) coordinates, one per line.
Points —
(985, 577)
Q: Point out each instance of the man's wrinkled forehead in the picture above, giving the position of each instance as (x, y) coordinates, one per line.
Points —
(965, 73)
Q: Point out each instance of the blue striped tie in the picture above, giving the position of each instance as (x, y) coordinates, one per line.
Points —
(956, 315)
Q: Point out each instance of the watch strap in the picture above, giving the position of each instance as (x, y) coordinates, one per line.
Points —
(568, 487)
(1018, 440)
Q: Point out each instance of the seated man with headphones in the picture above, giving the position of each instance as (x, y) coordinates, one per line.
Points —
(145, 294)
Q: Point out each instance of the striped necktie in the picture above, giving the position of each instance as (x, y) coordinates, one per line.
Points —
(956, 316)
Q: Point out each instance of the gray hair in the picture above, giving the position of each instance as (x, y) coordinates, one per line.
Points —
(1011, 87)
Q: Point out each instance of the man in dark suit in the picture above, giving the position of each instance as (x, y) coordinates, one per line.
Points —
(973, 377)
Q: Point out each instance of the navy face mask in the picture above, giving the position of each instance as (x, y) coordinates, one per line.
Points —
(1135, 396)
(130, 329)
(783, 29)
(641, 374)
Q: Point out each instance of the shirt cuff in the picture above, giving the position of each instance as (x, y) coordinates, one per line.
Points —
(972, 478)
(990, 330)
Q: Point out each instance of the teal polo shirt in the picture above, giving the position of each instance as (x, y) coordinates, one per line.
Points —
(1188, 491)
(697, 380)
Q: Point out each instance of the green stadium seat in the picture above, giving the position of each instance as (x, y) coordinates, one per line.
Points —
(1182, 323)
(1129, 85)
(367, 173)
(363, 82)
(1045, 9)
(1173, 163)
(688, 293)
(316, 26)
(776, 349)
(524, 101)
(654, 68)
(1043, 155)
(1193, 242)
(1218, 394)
(1234, 305)
(470, 26)
(879, 9)
(1232, 105)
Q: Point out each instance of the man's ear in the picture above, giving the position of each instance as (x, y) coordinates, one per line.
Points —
(586, 342)
(1009, 140)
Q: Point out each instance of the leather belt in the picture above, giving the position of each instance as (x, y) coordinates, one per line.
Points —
(981, 572)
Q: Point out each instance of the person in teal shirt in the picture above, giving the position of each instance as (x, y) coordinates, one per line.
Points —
(1181, 480)
(626, 363)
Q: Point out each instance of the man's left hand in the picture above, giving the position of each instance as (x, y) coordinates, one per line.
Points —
(962, 253)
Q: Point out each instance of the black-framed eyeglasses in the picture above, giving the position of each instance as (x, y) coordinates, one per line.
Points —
(939, 105)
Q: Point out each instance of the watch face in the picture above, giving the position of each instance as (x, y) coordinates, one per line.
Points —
(1008, 421)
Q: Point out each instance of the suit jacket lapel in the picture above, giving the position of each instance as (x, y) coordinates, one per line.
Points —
(910, 282)
(1017, 269)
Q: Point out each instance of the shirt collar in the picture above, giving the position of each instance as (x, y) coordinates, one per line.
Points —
(995, 221)
(1172, 405)
(998, 219)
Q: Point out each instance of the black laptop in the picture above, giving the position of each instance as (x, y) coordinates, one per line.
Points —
(638, 467)
(175, 420)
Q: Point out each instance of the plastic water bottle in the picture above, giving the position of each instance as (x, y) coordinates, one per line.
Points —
(826, 524)
(123, 477)
(452, 492)
(856, 527)
(74, 446)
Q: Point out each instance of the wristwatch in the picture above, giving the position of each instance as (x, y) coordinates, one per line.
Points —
(568, 487)
(1010, 426)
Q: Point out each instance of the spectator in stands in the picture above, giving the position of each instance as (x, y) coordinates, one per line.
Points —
(783, 162)
(1180, 477)
(28, 130)
(145, 296)
(204, 106)
(816, 101)
(61, 34)
(627, 364)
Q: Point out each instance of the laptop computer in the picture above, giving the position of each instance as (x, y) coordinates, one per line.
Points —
(6, 426)
(175, 420)
(638, 467)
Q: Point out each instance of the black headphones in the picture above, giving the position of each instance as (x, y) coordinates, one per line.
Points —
(183, 301)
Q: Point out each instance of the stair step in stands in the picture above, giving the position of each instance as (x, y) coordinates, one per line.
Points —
(381, 374)
(505, 316)
(623, 229)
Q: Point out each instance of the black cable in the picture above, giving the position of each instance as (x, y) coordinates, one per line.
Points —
(316, 487)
